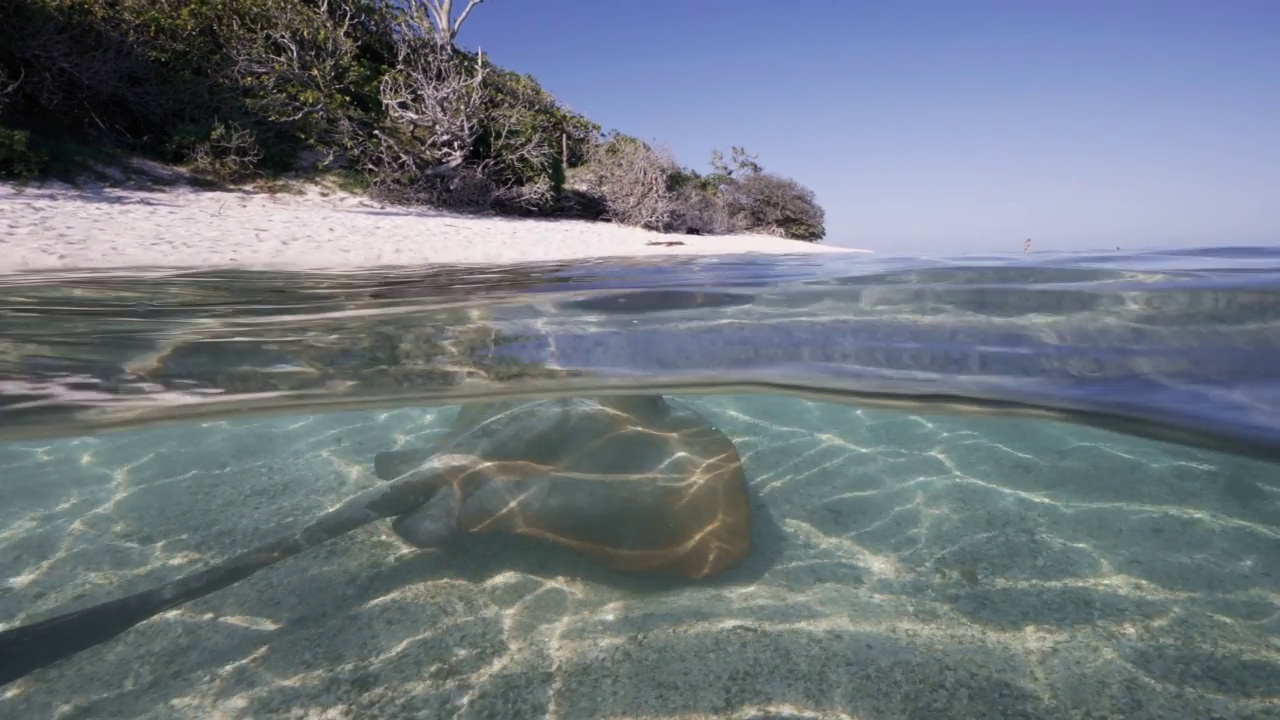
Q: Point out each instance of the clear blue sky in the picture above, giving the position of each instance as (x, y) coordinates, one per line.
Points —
(946, 126)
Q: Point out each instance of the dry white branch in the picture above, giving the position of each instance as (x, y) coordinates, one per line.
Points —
(433, 101)
(230, 153)
(440, 16)
(433, 104)
(632, 180)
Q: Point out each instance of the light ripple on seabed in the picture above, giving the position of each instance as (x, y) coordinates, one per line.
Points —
(905, 566)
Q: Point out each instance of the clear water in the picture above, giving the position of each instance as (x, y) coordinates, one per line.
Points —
(985, 487)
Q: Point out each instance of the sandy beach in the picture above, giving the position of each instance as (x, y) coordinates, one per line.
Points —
(57, 226)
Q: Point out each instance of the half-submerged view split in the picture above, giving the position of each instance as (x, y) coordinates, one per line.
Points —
(593, 360)
(729, 486)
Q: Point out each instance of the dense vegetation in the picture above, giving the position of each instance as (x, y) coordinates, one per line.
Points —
(374, 89)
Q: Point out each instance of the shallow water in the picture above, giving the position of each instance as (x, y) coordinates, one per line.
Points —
(980, 487)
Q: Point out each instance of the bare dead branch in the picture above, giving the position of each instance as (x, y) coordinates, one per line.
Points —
(433, 101)
(632, 180)
(433, 104)
(457, 25)
(441, 14)
(743, 162)
(774, 205)
(230, 153)
(8, 88)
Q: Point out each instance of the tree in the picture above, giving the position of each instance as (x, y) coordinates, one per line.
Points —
(766, 203)
(441, 17)
(743, 162)
(632, 181)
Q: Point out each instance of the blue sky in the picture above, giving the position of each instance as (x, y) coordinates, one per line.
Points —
(943, 127)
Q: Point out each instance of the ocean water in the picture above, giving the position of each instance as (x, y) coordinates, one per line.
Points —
(1038, 486)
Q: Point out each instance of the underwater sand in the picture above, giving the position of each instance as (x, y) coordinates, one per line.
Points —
(904, 567)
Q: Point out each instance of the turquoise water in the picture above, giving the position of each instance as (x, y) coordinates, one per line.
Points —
(980, 487)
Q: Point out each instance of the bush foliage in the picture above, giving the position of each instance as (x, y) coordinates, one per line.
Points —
(241, 88)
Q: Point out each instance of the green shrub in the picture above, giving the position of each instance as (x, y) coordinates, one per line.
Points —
(527, 137)
(18, 159)
(633, 182)
(230, 153)
(150, 75)
(241, 88)
(761, 202)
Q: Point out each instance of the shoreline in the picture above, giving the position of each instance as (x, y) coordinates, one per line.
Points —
(55, 226)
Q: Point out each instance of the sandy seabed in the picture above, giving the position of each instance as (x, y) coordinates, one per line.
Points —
(903, 567)
(56, 226)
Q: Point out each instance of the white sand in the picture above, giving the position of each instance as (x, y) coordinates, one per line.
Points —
(57, 226)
